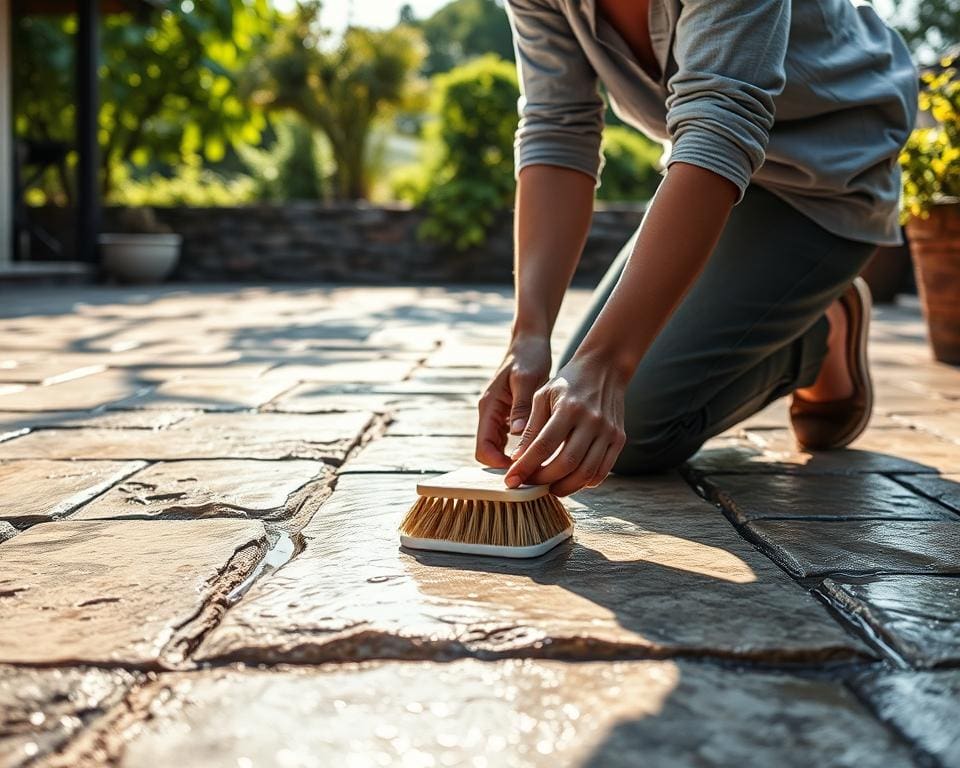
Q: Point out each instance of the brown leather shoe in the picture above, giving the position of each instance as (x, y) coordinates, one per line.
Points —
(823, 426)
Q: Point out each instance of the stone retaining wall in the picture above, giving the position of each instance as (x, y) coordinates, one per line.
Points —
(346, 242)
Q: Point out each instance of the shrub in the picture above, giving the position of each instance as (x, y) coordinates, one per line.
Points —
(931, 158)
(631, 165)
(191, 185)
(470, 136)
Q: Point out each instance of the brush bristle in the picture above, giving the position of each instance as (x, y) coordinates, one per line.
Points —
(501, 523)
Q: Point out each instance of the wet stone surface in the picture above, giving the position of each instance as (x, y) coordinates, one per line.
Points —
(944, 488)
(35, 491)
(918, 616)
(923, 706)
(861, 547)
(129, 593)
(40, 709)
(652, 570)
(873, 497)
(222, 488)
(512, 713)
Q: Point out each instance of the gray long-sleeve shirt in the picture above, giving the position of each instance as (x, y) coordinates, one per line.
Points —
(810, 99)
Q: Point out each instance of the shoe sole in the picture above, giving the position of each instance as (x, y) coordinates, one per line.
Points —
(863, 336)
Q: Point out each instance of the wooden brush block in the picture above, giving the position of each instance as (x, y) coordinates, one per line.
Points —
(479, 484)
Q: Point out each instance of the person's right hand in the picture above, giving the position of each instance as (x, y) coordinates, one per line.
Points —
(506, 403)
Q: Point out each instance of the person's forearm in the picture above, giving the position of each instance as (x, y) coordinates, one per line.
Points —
(553, 211)
(677, 236)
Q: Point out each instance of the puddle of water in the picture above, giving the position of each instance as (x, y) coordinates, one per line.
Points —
(281, 549)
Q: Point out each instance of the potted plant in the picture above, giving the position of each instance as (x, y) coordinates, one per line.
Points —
(931, 208)
(142, 251)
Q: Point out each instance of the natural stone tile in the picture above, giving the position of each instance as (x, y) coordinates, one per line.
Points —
(204, 372)
(892, 397)
(509, 713)
(36, 491)
(923, 706)
(325, 398)
(861, 547)
(454, 355)
(448, 380)
(75, 395)
(41, 709)
(119, 592)
(944, 488)
(653, 570)
(375, 371)
(208, 394)
(918, 616)
(448, 422)
(777, 416)
(325, 437)
(945, 424)
(879, 450)
(772, 497)
(414, 454)
(48, 369)
(14, 424)
(220, 488)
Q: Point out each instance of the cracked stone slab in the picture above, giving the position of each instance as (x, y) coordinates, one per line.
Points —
(944, 488)
(35, 491)
(784, 497)
(219, 488)
(446, 422)
(923, 706)
(208, 394)
(414, 454)
(653, 570)
(861, 547)
(325, 437)
(878, 451)
(76, 395)
(119, 592)
(918, 616)
(509, 713)
(41, 709)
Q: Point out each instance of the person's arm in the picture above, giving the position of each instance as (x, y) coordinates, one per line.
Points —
(720, 110)
(557, 165)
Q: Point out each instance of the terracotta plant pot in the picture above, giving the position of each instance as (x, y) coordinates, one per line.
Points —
(935, 247)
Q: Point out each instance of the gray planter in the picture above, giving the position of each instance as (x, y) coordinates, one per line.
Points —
(139, 258)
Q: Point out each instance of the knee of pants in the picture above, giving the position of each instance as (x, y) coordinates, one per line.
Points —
(658, 451)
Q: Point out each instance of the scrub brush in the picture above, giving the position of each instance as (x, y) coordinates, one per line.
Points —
(472, 512)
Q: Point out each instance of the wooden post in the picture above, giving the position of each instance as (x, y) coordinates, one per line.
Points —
(88, 110)
(6, 141)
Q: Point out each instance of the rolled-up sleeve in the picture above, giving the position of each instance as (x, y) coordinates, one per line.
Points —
(730, 66)
(560, 108)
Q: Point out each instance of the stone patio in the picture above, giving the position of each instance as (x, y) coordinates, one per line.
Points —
(199, 495)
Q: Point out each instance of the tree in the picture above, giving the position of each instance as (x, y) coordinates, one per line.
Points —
(341, 90)
(167, 81)
(462, 30)
(930, 27)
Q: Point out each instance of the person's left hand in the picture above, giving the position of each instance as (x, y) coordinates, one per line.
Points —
(580, 409)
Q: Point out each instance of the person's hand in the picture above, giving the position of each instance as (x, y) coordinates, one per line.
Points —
(505, 405)
(581, 409)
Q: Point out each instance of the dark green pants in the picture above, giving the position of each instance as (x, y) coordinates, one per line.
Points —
(751, 329)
